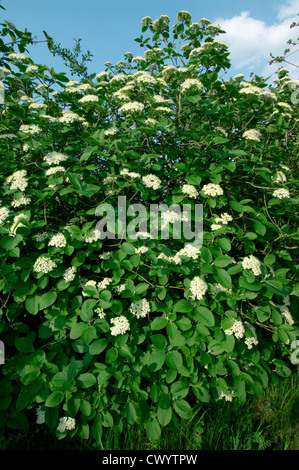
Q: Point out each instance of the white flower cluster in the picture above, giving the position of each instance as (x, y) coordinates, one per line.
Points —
(91, 283)
(281, 193)
(250, 342)
(100, 312)
(191, 83)
(162, 22)
(58, 240)
(190, 190)
(40, 237)
(236, 329)
(222, 220)
(198, 288)
(32, 68)
(212, 189)
(30, 129)
(228, 396)
(54, 169)
(23, 201)
(37, 106)
(151, 181)
(132, 107)
(252, 134)
(131, 174)
(184, 15)
(69, 117)
(43, 265)
(189, 251)
(104, 283)
(279, 177)
(220, 288)
(121, 325)
(18, 180)
(140, 250)
(111, 131)
(18, 56)
(70, 274)
(140, 309)
(119, 289)
(4, 213)
(40, 416)
(285, 311)
(66, 424)
(92, 236)
(146, 20)
(17, 223)
(54, 158)
(89, 99)
(251, 262)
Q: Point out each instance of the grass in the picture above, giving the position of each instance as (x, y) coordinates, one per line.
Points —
(269, 422)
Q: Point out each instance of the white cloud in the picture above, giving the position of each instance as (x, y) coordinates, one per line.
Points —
(288, 10)
(251, 40)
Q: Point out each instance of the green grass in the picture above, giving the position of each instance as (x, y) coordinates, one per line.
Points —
(269, 422)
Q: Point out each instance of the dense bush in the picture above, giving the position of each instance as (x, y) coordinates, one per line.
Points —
(109, 332)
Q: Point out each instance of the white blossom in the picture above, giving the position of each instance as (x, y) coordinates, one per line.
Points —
(140, 309)
(104, 283)
(30, 129)
(212, 189)
(58, 240)
(236, 329)
(18, 180)
(132, 107)
(281, 193)
(66, 424)
(4, 213)
(151, 181)
(89, 99)
(251, 262)
(190, 190)
(121, 325)
(70, 274)
(43, 265)
(198, 288)
(54, 158)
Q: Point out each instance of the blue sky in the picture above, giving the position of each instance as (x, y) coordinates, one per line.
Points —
(108, 28)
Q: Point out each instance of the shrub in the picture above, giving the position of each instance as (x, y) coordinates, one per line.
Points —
(107, 332)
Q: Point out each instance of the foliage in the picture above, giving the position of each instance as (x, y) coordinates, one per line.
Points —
(68, 147)
(287, 52)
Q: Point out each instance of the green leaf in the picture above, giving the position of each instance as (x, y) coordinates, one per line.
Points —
(86, 380)
(174, 360)
(77, 330)
(36, 303)
(183, 409)
(98, 346)
(259, 227)
(222, 277)
(224, 243)
(153, 430)
(204, 316)
(183, 306)
(159, 341)
(54, 399)
(111, 355)
(159, 323)
(156, 360)
(24, 345)
(164, 411)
